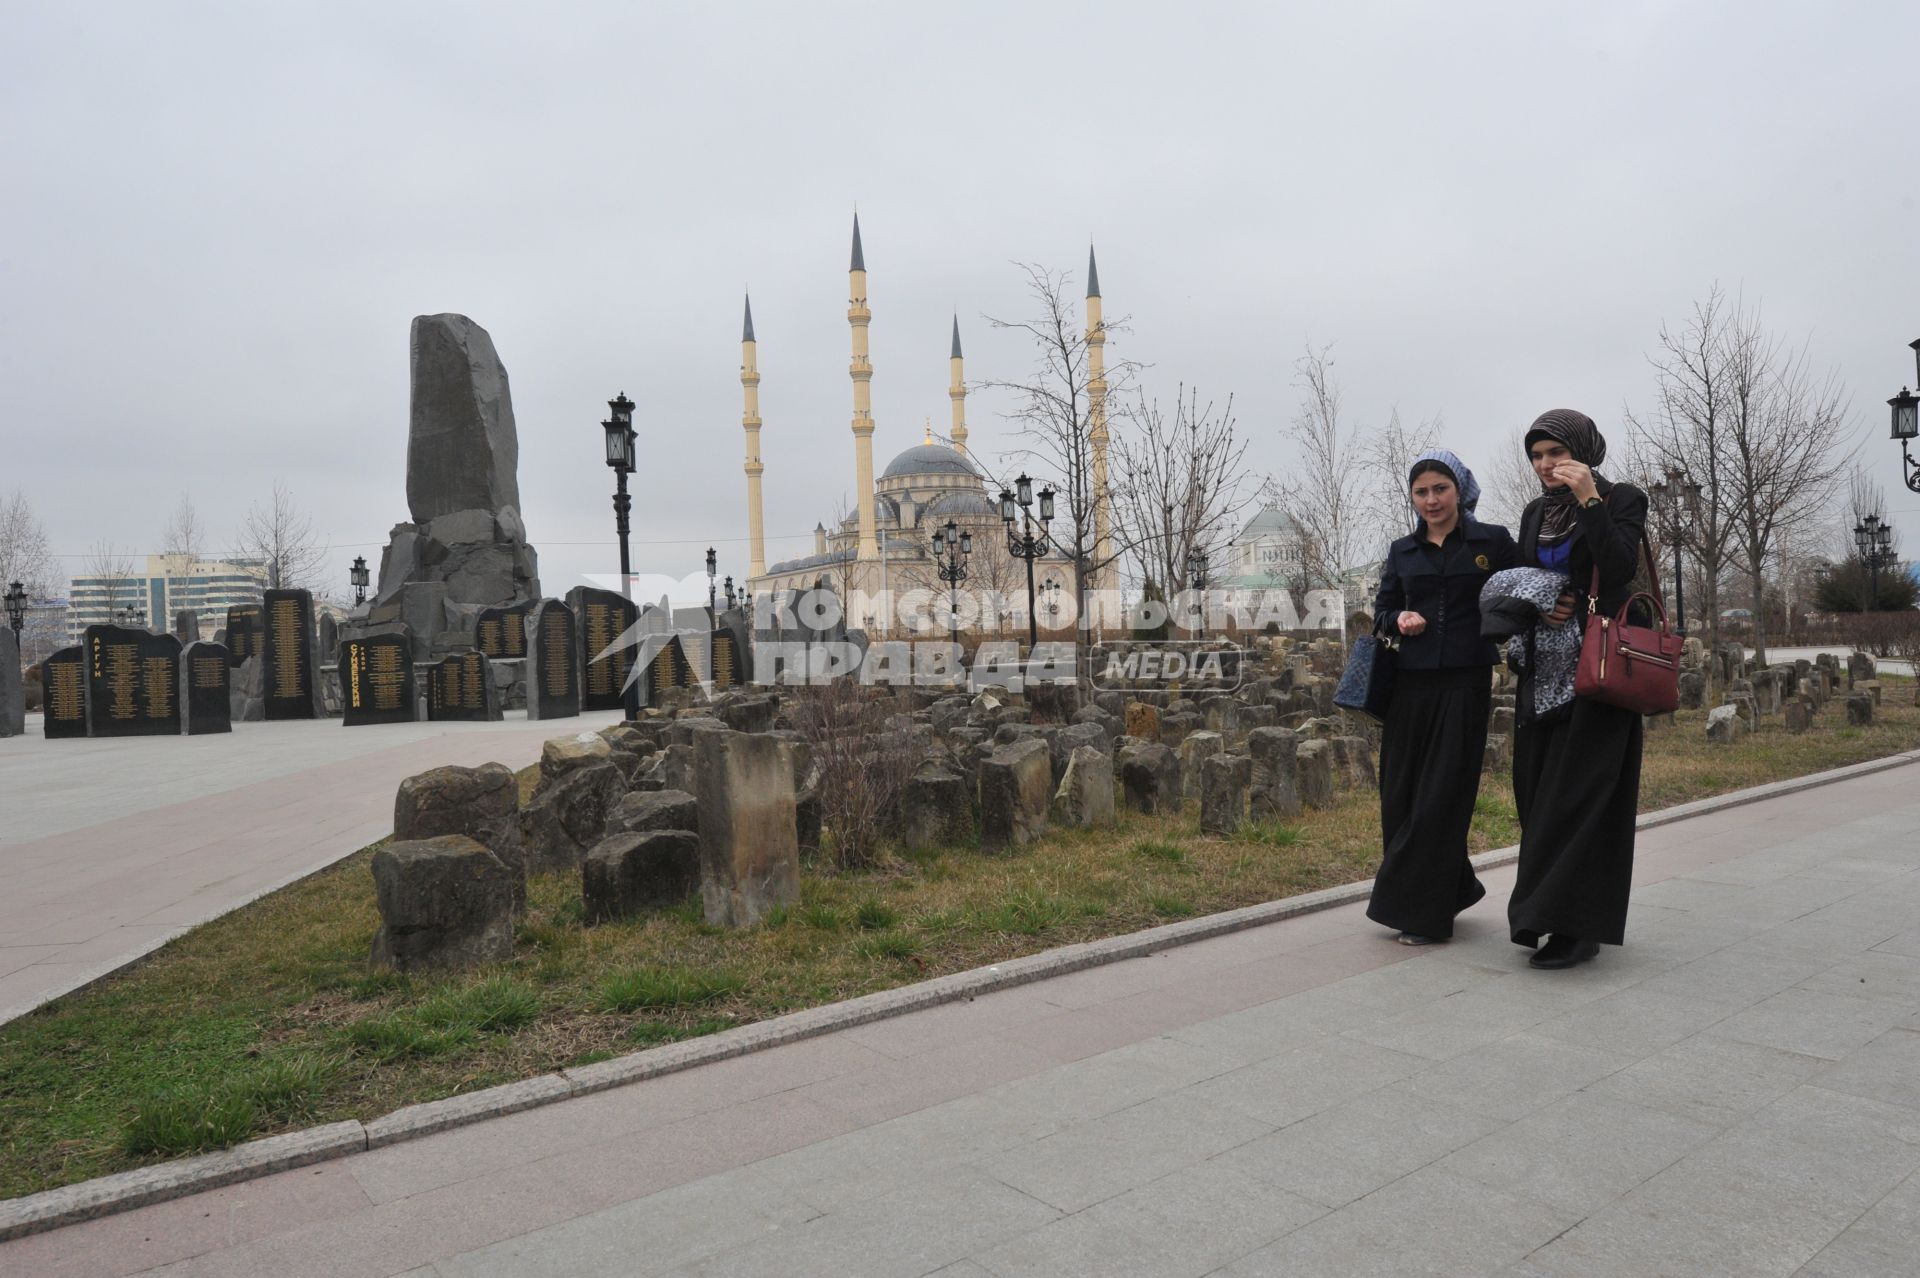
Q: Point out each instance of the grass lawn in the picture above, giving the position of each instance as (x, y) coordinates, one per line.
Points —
(270, 1018)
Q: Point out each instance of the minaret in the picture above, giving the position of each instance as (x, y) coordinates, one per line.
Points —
(1097, 422)
(750, 422)
(957, 392)
(861, 371)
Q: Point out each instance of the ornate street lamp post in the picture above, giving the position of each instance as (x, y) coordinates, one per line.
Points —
(712, 592)
(16, 597)
(360, 578)
(1874, 540)
(1024, 542)
(619, 433)
(951, 549)
(731, 601)
(1906, 422)
(1677, 498)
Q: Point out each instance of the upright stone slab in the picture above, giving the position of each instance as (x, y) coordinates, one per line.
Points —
(749, 833)
(728, 656)
(376, 679)
(460, 689)
(1223, 793)
(602, 617)
(286, 646)
(132, 682)
(463, 452)
(13, 692)
(206, 696)
(329, 636)
(63, 693)
(186, 625)
(553, 682)
(501, 633)
(245, 622)
(1275, 792)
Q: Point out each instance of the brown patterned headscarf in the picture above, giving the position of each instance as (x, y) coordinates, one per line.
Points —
(1586, 444)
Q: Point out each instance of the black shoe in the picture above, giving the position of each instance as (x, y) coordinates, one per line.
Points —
(1414, 938)
(1563, 951)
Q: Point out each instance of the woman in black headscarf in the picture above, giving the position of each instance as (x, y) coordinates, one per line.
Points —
(1435, 734)
(1576, 768)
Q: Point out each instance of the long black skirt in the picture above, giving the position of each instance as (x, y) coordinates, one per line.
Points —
(1431, 749)
(1576, 783)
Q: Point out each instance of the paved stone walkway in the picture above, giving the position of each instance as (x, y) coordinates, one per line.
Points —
(1736, 1092)
(109, 848)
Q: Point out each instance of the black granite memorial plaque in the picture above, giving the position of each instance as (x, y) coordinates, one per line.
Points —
(244, 624)
(553, 683)
(669, 669)
(461, 688)
(205, 689)
(63, 692)
(502, 632)
(132, 682)
(286, 644)
(376, 679)
(729, 663)
(603, 617)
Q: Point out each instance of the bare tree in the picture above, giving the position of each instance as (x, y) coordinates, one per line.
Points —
(111, 571)
(1180, 484)
(1324, 495)
(1055, 409)
(1687, 430)
(1508, 484)
(1781, 461)
(1386, 456)
(184, 534)
(281, 537)
(25, 555)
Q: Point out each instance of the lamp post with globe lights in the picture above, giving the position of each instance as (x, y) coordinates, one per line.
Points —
(1677, 498)
(1906, 423)
(618, 428)
(952, 546)
(1025, 543)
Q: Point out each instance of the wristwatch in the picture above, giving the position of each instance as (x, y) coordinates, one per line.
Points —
(1591, 502)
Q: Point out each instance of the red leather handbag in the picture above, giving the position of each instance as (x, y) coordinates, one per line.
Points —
(1633, 667)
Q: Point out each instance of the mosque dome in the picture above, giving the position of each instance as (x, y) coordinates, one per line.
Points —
(929, 459)
(962, 502)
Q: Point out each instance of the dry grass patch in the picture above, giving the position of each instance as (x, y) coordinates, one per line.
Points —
(271, 1017)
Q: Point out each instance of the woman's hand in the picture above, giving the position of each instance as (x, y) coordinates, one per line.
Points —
(1562, 610)
(1412, 623)
(1577, 476)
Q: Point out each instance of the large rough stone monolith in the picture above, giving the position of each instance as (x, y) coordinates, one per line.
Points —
(749, 843)
(444, 903)
(464, 547)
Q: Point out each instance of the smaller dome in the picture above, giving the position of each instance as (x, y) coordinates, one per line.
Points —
(929, 459)
(962, 502)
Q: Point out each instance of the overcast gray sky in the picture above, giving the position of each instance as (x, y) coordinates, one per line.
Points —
(218, 219)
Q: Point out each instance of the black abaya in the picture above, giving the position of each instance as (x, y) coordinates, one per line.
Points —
(1576, 784)
(1431, 750)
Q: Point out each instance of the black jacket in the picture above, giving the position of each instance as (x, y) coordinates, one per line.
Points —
(1443, 587)
(1610, 532)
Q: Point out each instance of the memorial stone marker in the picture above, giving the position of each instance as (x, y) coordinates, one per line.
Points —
(502, 632)
(553, 684)
(669, 669)
(729, 662)
(329, 635)
(604, 616)
(461, 688)
(13, 693)
(286, 644)
(63, 690)
(376, 678)
(132, 682)
(205, 689)
(244, 624)
(186, 625)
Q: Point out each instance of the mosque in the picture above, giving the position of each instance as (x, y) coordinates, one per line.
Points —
(884, 543)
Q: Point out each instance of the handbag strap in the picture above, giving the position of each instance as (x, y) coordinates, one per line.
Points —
(1646, 555)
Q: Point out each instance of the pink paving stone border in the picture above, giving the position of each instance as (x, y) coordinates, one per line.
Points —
(124, 1191)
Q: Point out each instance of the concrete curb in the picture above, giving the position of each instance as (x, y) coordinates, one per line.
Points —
(124, 1191)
